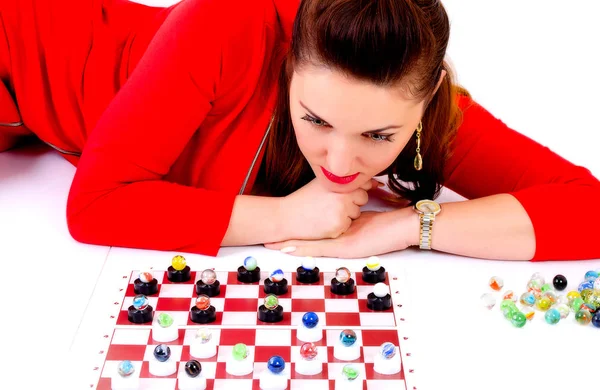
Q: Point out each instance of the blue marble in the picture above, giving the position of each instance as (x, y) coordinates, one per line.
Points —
(276, 364)
(310, 319)
(126, 368)
(250, 263)
(596, 319)
(348, 337)
(276, 276)
(140, 302)
(162, 352)
(591, 276)
(587, 284)
(388, 350)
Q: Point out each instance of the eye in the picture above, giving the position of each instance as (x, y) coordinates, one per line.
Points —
(379, 137)
(315, 121)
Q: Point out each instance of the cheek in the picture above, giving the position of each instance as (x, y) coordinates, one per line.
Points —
(308, 140)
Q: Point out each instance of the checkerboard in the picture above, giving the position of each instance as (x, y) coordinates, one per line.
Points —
(238, 303)
(137, 345)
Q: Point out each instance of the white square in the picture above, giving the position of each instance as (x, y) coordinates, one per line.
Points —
(313, 384)
(177, 291)
(273, 337)
(260, 367)
(239, 318)
(242, 291)
(179, 318)
(176, 351)
(377, 319)
(285, 303)
(229, 384)
(333, 335)
(335, 370)
(308, 292)
(381, 384)
(363, 291)
(131, 336)
(111, 368)
(341, 305)
(209, 369)
(190, 335)
(369, 353)
(157, 383)
(224, 352)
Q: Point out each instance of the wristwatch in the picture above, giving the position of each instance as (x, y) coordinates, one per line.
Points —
(427, 210)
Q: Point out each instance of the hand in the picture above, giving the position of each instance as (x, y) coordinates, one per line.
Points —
(374, 233)
(313, 212)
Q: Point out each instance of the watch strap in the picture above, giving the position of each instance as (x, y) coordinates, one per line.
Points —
(426, 230)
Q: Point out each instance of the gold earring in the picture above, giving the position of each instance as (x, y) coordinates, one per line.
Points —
(418, 158)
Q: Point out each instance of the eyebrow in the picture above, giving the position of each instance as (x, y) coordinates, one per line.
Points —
(369, 131)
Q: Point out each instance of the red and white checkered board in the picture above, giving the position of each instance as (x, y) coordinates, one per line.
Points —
(237, 304)
(137, 345)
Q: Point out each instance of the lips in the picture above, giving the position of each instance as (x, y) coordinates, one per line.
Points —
(339, 179)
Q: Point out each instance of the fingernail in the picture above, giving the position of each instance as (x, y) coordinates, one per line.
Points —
(288, 249)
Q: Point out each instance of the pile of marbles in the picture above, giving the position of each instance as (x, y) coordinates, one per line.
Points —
(553, 299)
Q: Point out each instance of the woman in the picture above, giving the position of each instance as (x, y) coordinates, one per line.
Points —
(221, 123)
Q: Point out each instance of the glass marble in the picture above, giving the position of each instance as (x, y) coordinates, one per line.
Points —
(162, 352)
(559, 282)
(308, 351)
(373, 263)
(576, 304)
(146, 276)
(126, 368)
(528, 312)
(534, 285)
(506, 303)
(203, 302)
(208, 277)
(140, 302)
(276, 364)
(596, 319)
(594, 299)
(347, 337)
(544, 303)
(239, 352)
(380, 290)
(527, 299)
(204, 335)
(552, 316)
(597, 284)
(591, 276)
(488, 301)
(310, 319)
(546, 287)
(309, 263)
(164, 320)
(342, 274)
(350, 372)
(387, 350)
(587, 284)
(551, 296)
(178, 263)
(271, 302)
(509, 295)
(193, 368)
(583, 317)
(518, 319)
(509, 311)
(250, 263)
(276, 276)
(496, 283)
(538, 278)
(589, 307)
(586, 293)
(572, 295)
(564, 310)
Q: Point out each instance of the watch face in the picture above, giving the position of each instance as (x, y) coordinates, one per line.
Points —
(428, 207)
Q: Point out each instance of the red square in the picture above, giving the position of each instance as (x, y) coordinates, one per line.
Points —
(263, 353)
(297, 342)
(218, 320)
(221, 373)
(191, 281)
(288, 294)
(103, 384)
(323, 375)
(123, 319)
(332, 359)
(363, 308)
(342, 319)
(185, 355)
(126, 352)
(361, 282)
(304, 305)
(287, 320)
(232, 279)
(131, 293)
(179, 340)
(241, 304)
(374, 338)
(173, 304)
(319, 282)
(235, 336)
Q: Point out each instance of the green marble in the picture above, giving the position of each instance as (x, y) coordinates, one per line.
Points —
(518, 319)
(240, 351)
(546, 287)
(271, 302)
(350, 372)
(165, 320)
(584, 317)
(577, 303)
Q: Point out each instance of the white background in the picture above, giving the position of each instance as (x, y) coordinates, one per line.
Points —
(531, 63)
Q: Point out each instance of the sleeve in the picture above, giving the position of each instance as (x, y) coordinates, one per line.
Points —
(491, 158)
(117, 196)
(11, 127)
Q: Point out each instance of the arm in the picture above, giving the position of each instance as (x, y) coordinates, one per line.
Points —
(11, 127)
(118, 196)
(521, 197)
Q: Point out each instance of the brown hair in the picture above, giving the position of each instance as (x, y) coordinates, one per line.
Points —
(386, 42)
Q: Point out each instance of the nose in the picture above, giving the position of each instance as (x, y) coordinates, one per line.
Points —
(340, 157)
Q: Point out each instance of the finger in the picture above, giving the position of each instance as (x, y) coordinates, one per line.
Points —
(284, 246)
(353, 213)
(298, 248)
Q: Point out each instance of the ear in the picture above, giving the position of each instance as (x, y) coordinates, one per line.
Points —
(442, 76)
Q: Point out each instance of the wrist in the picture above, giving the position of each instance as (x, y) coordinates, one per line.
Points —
(409, 227)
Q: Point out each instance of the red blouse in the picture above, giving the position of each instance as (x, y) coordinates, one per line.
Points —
(169, 107)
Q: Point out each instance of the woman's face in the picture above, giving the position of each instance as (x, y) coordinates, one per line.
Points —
(349, 130)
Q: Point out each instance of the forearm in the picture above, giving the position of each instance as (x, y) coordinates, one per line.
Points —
(255, 220)
(493, 227)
